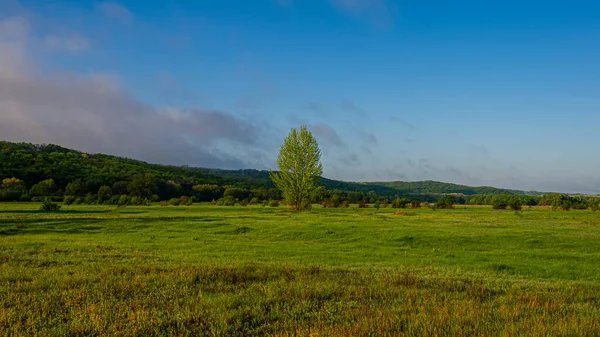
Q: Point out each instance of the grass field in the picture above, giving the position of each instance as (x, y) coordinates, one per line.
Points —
(242, 271)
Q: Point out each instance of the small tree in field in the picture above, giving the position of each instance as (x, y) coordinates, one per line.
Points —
(299, 163)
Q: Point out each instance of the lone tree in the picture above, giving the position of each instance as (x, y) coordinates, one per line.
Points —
(300, 167)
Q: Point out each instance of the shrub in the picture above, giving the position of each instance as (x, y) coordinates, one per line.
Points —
(377, 204)
(175, 202)
(400, 203)
(274, 203)
(190, 201)
(362, 204)
(265, 203)
(345, 204)
(499, 202)
(78, 201)
(515, 203)
(135, 201)
(335, 201)
(229, 201)
(244, 203)
(49, 206)
(384, 204)
(90, 199)
(69, 200)
(123, 200)
(164, 204)
(446, 202)
(254, 201)
(415, 204)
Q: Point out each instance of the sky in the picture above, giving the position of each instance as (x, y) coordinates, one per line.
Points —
(497, 93)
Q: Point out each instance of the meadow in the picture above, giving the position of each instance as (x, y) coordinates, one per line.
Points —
(252, 271)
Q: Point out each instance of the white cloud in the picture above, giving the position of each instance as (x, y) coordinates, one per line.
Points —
(73, 43)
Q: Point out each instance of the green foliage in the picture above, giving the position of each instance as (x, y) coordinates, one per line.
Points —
(228, 201)
(377, 204)
(208, 192)
(446, 202)
(142, 186)
(75, 188)
(44, 188)
(69, 199)
(12, 189)
(104, 193)
(274, 203)
(123, 200)
(415, 204)
(300, 167)
(49, 206)
(175, 202)
(400, 203)
(515, 203)
(500, 201)
(90, 199)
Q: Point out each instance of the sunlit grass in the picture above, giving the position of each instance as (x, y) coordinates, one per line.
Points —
(206, 270)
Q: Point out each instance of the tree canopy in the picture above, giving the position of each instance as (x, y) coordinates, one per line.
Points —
(300, 167)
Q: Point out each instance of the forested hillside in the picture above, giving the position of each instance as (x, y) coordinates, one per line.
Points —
(29, 171)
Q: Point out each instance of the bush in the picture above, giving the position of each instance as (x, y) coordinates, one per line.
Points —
(384, 204)
(69, 200)
(244, 203)
(229, 201)
(78, 201)
(345, 204)
(265, 203)
(175, 202)
(400, 203)
(446, 202)
(190, 201)
(164, 203)
(49, 206)
(515, 203)
(362, 204)
(123, 200)
(90, 199)
(377, 204)
(499, 202)
(254, 201)
(274, 203)
(135, 201)
(415, 204)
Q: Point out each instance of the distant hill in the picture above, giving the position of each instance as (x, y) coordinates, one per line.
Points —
(34, 163)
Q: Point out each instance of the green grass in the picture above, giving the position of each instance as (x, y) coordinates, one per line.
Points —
(206, 270)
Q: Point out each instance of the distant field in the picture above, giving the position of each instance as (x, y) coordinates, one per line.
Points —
(217, 271)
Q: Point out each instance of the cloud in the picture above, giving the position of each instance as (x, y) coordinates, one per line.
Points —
(327, 133)
(404, 123)
(480, 150)
(377, 12)
(72, 43)
(115, 11)
(349, 106)
(350, 160)
(93, 114)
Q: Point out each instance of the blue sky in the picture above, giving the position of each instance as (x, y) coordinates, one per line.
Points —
(501, 93)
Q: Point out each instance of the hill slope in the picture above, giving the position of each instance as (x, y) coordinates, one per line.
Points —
(34, 163)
